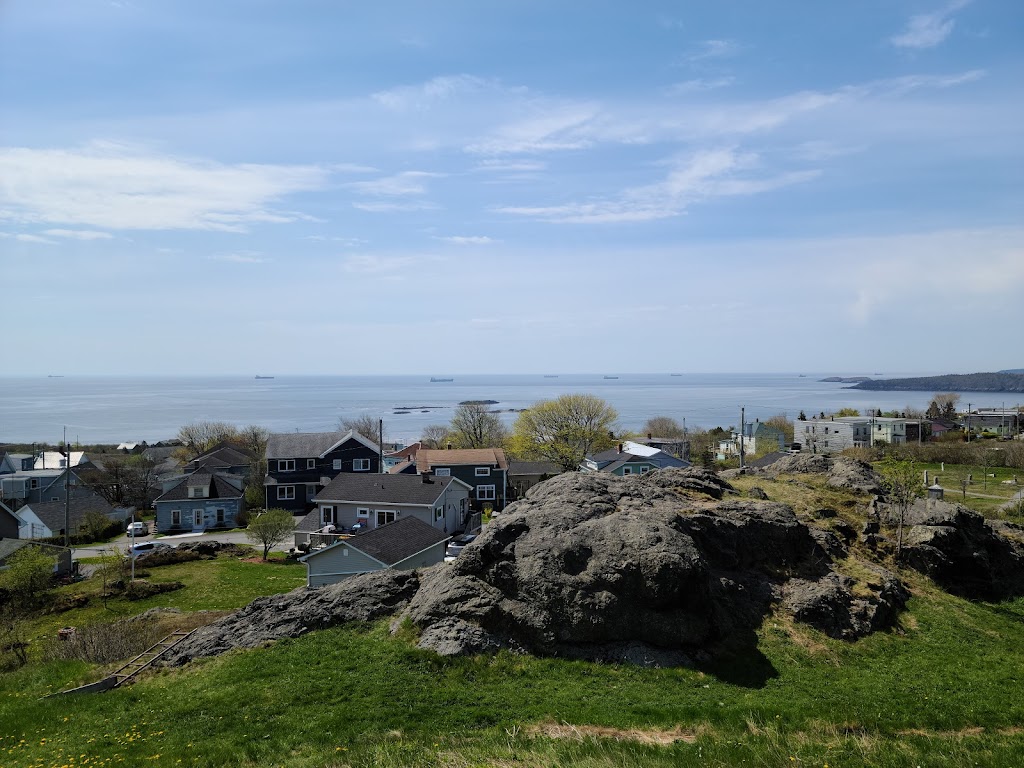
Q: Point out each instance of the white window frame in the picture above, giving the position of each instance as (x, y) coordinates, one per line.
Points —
(360, 465)
(627, 471)
(644, 470)
(443, 472)
(310, 463)
(363, 512)
(482, 472)
(336, 464)
(198, 518)
(286, 465)
(385, 513)
(486, 493)
(438, 514)
(286, 493)
(328, 514)
(221, 515)
(175, 517)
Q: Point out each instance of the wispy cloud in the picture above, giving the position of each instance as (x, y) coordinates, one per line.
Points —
(79, 234)
(27, 238)
(241, 257)
(713, 49)
(428, 94)
(706, 174)
(348, 242)
(700, 85)
(394, 207)
(398, 185)
(468, 239)
(928, 30)
(554, 127)
(114, 186)
(372, 264)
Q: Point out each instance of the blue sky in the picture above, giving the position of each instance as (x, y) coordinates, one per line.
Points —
(344, 188)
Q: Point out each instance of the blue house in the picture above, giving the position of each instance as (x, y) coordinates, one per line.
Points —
(629, 458)
(199, 501)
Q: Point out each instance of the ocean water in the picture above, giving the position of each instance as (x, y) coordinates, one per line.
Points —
(113, 409)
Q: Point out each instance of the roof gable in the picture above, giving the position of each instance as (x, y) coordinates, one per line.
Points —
(386, 489)
(308, 445)
(426, 459)
(392, 543)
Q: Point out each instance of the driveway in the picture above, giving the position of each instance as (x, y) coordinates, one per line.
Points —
(224, 537)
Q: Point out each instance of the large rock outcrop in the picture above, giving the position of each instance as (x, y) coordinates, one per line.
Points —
(653, 567)
(840, 471)
(961, 551)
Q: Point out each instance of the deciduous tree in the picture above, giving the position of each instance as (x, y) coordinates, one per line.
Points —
(663, 426)
(29, 574)
(198, 438)
(565, 430)
(474, 426)
(366, 425)
(270, 528)
(901, 481)
(434, 436)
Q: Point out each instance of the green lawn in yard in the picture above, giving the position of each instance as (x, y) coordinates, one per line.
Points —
(985, 496)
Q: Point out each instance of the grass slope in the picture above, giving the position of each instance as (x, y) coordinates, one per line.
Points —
(943, 690)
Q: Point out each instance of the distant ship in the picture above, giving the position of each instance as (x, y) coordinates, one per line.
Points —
(264, 377)
(675, 374)
(550, 376)
(611, 377)
(435, 380)
(55, 376)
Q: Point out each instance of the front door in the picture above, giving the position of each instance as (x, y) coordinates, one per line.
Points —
(197, 521)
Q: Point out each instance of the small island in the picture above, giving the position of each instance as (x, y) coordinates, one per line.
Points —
(846, 380)
(479, 402)
(955, 382)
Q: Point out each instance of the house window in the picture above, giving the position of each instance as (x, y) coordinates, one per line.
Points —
(442, 472)
(627, 470)
(286, 492)
(286, 465)
(360, 465)
(33, 483)
(362, 511)
(483, 472)
(485, 492)
(198, 492)
(175, 517)
(385, 516)
(220, 517)
(327, 515)
(644, 470)
(310, 463)
(438, 513)
(311, 491)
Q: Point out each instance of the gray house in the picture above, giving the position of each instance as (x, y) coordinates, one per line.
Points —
(199, 501)
(61, 555)
(629, 458)
(45, 519)
(9, 522)
(365, 502)
(405, 544)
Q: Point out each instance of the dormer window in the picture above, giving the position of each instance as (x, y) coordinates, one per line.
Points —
(199, 491)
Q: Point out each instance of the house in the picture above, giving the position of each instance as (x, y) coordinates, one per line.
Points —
(200, 501)
(301, 464)
(832, 434)
(938, 428)
(674, 446)
(485, 470)
(401, 456)
(523, 475)
(62, 555)
(10, 523)
(362, 502)
(758, 437)
(629, 458)
(404, 544)
(45, 519)
(58, 460)
(223, 459)
(26, 486)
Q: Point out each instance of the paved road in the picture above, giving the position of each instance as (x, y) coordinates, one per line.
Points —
(225, 537)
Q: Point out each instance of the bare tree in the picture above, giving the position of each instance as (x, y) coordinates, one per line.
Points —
(434, 436)
(366, 425)
(902, 483)
(663, 426)
(198, 438)
(474, 426)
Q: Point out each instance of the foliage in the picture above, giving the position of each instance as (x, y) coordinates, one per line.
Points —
(123, 481)
(28, 576)
(270, 528)
(901, 480)
(366, 425)
(847, 412)
(782, 422)
(943, 406)
(474, 426)
(200, 437)
(434, 436)
(95, 525)
(565, 430)
(663, 426)
(105, 642)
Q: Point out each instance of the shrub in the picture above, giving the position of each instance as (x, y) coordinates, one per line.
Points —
(104, 643)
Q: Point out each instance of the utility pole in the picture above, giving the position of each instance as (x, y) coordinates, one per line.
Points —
(67, 490)
(380, 446)
(743, 429)
(968, 422)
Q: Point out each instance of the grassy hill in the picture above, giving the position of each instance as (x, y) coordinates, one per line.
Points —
(941, 690)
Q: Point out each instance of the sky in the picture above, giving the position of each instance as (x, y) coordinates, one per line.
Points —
(325, 187)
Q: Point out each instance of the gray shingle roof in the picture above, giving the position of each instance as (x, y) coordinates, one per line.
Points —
(389, 489)
(82, 501)
(396, 541)
(9, 546)
(219, 488)
(304, 445)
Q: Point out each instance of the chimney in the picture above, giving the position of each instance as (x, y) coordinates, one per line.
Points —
(650, 436)
(620, 447)
(427, 479)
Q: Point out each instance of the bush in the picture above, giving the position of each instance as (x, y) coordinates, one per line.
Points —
(140, 589)
(104, 643)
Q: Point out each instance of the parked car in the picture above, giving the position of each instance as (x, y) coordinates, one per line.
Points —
(138, 528)
(456, 545)
(146, 546)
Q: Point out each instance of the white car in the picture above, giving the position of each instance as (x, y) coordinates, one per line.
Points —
(138, 528)
(146, 547)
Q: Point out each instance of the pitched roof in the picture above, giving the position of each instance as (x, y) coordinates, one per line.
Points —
(533, 468)
(82, 502)
(428, 458)
(311, 522)
(219, 487)
(304, 445)
(225, 456)
(9, 546)
(408, 452)
(613, 458)
(768, 459)
(394, 542)
(386, 489)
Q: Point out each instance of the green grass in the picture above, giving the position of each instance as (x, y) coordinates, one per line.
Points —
(943, 692)
(983, 496)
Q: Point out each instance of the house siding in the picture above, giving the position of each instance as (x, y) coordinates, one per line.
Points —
(8, 525)
(332, 565)
(346, 514)
(467, 474)
(306, 480)
(208, 509)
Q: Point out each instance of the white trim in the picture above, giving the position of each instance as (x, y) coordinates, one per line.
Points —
(286, 493)
(285, 461)
(481, 472)
(310, 463)
(352, 435)
(492, 497)
(364, 465)
(443, 472)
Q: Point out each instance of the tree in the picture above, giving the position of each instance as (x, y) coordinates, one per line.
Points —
(901, 481)
(270, 528)
(198, 438)
(254, 439)
(847, 412)
(434, 436)
(946, 403)
(366, 425)
(565, 430)
(29, 574)
(663, 426)
(473, 426)
(783, 423)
